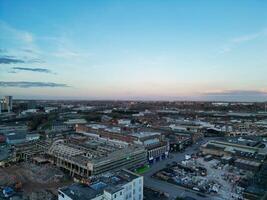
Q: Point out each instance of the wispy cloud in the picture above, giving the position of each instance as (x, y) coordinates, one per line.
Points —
(21, 42)
(2, 50)
(41, 70)
(26, 44)
(27, 50)
(66, 53)
(26, 84)
(12, 33)
(232, 43)
(245, 38)
(10, 60)
(63, 51)
(236, 93)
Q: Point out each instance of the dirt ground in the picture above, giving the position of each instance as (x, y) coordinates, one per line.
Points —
(34, 177)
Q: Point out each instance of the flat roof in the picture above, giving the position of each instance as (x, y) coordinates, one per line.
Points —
(94, 152)
(111, 183)
(145, 134)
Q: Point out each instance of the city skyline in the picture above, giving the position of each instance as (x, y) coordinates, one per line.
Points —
(142, 50)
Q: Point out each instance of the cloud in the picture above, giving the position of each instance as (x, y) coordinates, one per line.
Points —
(41, 70)
(235, 96)
(20, 42)
(245, 38)
(10, 60)
(2, 51)
(26, 84)
(64, 52)
(25, 43)
(12, 72)
(27, 50)
(242, 39)
(236, 93)
(12, 33)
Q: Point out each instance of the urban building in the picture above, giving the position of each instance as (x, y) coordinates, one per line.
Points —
(178, 142)
(100, 131)
(15, 138)
(222, 148)
(21, 137)
(95, 156)
(7, 104)
(156, 147)
(123, 185)
(26, 151)
(59, 126)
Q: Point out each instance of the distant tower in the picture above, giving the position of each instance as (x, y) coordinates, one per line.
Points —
(8, 103)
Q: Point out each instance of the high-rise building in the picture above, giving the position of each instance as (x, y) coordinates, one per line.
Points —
(7, 103)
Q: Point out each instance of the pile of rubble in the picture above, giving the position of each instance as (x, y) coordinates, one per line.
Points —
(43, 173)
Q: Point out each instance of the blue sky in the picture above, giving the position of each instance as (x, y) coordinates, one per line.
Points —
(159, 50)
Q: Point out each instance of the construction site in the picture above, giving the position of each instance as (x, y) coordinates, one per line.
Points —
(25, 179)
(39, 168)
(208, 178)
(94, 157)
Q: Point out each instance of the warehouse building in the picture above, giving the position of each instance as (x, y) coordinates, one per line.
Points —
(221, 148)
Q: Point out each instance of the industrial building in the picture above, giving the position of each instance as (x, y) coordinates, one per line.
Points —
(221, 148)
(21, 137)
(156, 147)
(179, 141)
(95, 157)
(123, 185)
(28, 150)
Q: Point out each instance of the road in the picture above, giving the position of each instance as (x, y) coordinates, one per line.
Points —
(174, 190)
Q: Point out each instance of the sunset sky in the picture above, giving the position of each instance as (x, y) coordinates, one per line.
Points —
(134, 50)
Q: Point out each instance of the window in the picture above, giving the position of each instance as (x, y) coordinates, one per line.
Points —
(120, 193)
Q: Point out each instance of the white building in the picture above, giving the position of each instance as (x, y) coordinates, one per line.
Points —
(29, 111)
(32, 137)
(124, 122)
(123, 185)
(50, 109)
(6, 104)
